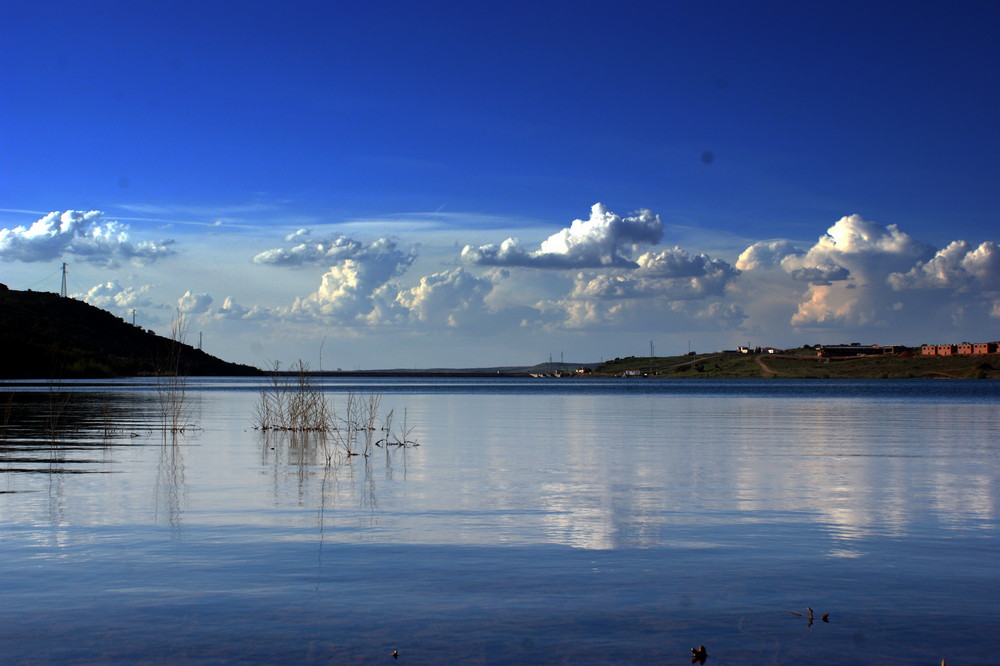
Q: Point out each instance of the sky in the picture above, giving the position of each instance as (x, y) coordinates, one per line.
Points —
(454, 184)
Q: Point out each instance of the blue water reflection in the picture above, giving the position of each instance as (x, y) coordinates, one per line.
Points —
(539, 521)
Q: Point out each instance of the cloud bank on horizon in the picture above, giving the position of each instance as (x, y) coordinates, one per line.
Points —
(605, 274)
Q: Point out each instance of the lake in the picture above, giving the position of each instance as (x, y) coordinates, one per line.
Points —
(528, 521)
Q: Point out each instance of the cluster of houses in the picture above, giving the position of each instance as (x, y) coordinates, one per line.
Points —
(855, 349)
(858, 349)
(849, 349)
(964, 349)
(752, 350)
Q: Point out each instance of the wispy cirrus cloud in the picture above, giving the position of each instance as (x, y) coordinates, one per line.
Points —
(199, 214)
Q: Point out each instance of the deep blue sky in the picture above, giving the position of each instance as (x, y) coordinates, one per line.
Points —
(756, 121)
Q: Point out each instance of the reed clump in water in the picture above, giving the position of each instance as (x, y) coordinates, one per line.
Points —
(6, 408)
(171, 382)
(292, 402)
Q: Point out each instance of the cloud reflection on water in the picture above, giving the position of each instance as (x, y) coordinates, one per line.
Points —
(594, 471)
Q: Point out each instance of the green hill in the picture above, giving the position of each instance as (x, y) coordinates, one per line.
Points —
(45, 336)
(804, 364)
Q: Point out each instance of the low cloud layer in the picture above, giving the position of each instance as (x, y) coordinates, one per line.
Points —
(672, 274)
(309, 251)
(326, 251)
(859, 280)
(604, 240)
(84, 235)
(665, 288)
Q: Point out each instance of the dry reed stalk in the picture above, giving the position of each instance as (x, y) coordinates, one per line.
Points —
(291, 402)
(171, 383)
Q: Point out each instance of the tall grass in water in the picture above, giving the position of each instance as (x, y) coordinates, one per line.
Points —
(6, 408)
(56, 425)
(171, 382)
(400, 437)
(291, 402)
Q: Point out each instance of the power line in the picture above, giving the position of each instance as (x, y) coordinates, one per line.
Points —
(42, 280)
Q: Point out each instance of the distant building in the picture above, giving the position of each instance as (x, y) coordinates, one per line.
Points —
(964, 349)
(894, 349)
(853, 349)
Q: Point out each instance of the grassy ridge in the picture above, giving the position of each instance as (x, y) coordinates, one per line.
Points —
(808, 365)
(45, 336)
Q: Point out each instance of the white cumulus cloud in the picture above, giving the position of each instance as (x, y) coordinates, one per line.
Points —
(672, 274)
(325, 251)
(451, 298)
(957, 266)
(766, 254)
(665, 288)
(604, 240)
(347, 289)
(111, 294)
(860, 247)
(230, 309)
(83, 234)
(194, 303)
(847, 270)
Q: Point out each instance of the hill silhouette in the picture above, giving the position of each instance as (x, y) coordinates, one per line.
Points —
(44, 336)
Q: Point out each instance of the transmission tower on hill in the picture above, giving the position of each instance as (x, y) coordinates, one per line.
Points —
(62, 291)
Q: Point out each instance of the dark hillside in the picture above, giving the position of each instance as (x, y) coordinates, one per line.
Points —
(43, 335)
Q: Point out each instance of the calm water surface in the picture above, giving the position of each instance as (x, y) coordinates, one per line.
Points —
(539, 521)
